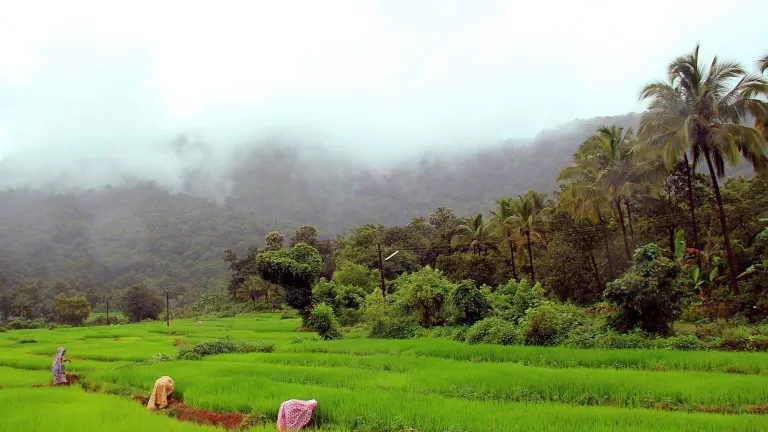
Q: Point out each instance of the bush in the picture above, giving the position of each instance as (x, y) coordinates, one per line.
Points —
(469, 303)
(542, 325)
(393, 328)
(71, 310)
(493, 330)
(423, 294)
(22, 324)
(525, 297)
(454, 333)
(687, 342)
(197, 351)
(650, 296)
(140, 303)
(325, 322)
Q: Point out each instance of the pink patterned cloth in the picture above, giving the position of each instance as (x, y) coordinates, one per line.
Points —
(295, 414)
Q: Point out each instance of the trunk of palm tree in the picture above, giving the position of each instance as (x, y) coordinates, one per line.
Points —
(724, 226)
(691, 205)
(631, 225)
(530, 257)
(671, 231)
(620, 217)
(512, 261)
(608, 255)
(596, 270)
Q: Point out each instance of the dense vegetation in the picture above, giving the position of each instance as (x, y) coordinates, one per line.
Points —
(645, 222)
(252, 363)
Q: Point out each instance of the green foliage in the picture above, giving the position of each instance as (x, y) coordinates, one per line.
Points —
(493, 330)
(306, 234)
(650, 296)
(424, 294)
(349, 273)
(542, 325)
(325, 323)
(295, 270)
(394, 328)
(71, 310)
(140, 302)
(525, 296)
(481, 268)
(345, 300)
(202, 349)
(469, 303)
(275, 241)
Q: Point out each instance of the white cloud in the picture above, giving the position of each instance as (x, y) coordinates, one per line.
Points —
(381, 78)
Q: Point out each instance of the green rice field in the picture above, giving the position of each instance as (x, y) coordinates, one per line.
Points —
(374, 385)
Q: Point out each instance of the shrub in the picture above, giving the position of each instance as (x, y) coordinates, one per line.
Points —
(140, 303)
(454, 333)
(197, 351)
(71, 310)
(525, 297)
(542, 325)
(650, 295)
(289, 314)
(22, 324)
(325, 322)
(394, 328)
(492, 330)
(687, 342)
(424, 294)
(469, 303)
(632, 340)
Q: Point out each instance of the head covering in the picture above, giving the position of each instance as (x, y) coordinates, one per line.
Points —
(160, 392)
(295, 414)
(59, 377)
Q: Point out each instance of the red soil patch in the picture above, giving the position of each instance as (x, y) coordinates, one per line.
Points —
(71, 379)
(182, 412)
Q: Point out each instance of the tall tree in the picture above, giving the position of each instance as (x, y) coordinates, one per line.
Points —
(529, 222)
(505, 230)
(477, 234)
(698, 114)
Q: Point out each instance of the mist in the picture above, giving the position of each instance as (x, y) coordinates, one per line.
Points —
(94, 93)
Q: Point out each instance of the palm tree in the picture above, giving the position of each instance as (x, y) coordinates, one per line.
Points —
(476, 233)
(762, 64)
(505, 230)
(528, 219)
(586, 199)
(605, 174)
(697, 115)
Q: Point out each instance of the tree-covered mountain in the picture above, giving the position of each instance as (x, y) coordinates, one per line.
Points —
(110, 237)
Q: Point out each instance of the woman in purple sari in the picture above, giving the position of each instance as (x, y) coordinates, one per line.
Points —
(59, 377)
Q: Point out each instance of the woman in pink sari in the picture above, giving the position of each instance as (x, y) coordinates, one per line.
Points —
(59, 377)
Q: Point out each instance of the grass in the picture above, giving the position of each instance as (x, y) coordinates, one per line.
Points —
(380, 385)
(112, 314)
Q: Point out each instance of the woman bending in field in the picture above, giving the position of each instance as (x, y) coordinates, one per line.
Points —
(59, 377)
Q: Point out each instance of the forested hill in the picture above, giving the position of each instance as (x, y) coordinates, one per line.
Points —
(119, 235)
(335, 194)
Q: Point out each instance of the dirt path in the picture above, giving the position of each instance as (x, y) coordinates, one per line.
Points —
(177, 409)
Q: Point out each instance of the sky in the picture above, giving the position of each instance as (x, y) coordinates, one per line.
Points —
(98, 86)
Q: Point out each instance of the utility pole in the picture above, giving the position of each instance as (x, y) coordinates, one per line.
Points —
(381, 273)
(107, 309)
(167, 309)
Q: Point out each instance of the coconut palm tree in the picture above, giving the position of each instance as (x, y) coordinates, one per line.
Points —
(762, 64)
(505, 230)
(605, 174)
(476, 233)
(697, 114)
(529, 216)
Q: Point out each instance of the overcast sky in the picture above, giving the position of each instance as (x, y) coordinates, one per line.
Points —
(99, 81)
